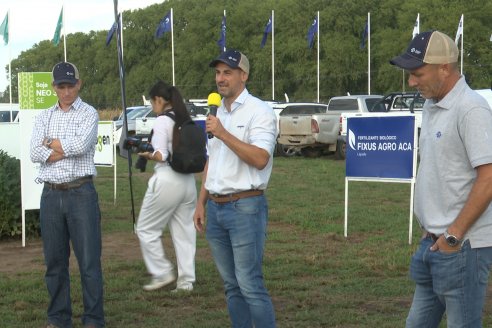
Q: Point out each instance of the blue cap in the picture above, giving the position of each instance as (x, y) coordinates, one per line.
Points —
(233, 59)
(65, 72)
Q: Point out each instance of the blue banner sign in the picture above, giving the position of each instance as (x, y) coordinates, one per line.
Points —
(380, 147)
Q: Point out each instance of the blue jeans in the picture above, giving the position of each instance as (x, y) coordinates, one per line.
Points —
(72, 215)
(454, 283)
(236, 233)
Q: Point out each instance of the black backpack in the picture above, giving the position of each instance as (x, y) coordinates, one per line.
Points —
(190, 153)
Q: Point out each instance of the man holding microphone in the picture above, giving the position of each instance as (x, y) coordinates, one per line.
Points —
(235, 177)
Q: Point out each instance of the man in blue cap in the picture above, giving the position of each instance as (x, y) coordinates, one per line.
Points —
(63, 143)
(235, 177)
(453, 190)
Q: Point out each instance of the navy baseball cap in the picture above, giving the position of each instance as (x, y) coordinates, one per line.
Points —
(431, 47)
(233, 59)
(65, 72)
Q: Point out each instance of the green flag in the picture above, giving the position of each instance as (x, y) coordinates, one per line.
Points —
(4, 29)
(59, 25)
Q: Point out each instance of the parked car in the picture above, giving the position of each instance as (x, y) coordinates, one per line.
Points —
(5, 116)
(314, 130)
(131, 116)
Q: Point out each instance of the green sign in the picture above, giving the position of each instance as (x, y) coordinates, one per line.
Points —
(35, 91)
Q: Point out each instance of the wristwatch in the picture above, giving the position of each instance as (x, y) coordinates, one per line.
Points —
(48, 142)
(452, 240)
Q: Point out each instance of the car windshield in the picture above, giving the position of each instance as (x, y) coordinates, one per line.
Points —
(137, 112)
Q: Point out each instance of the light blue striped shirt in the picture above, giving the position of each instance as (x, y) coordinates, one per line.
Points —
(77, 131)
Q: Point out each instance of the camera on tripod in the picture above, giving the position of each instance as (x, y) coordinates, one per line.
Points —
(137, 145)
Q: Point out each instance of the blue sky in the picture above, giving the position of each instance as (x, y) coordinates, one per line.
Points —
(32, 21)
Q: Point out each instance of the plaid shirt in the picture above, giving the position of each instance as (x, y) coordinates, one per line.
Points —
(77, 131)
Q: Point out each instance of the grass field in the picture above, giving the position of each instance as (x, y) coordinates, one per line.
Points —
(316, 276)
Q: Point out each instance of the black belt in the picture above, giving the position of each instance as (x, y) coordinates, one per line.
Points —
(69, 185)
(218, 198)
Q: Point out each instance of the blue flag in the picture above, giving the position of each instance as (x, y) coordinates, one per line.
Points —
(222, 41)
(164, 26)
(364, 37)
(111, 31)
(312, 31)
(268, 30)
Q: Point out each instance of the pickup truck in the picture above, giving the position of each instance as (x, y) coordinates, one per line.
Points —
(313, 133)
(396, 103)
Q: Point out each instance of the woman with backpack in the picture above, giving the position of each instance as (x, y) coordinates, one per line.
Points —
(170, 198)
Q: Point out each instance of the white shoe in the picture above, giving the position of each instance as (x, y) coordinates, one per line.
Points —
(183, 288)
(160, 282)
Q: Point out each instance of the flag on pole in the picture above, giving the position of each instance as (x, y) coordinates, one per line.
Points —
(313, 29)
(164, 26)
(416, 27)
(364, 37)
(268, 30)
(111, 31)
(459, 32)
(222, 41)
(491, 37)
(4, 29)
(59, 25)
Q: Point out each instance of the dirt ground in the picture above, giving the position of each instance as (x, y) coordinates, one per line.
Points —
(15, 258)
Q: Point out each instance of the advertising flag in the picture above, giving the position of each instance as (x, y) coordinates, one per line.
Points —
(59, 25)
(4, 29)
(111, 31)
(416, 27)
(459, 32)
(313, 29)
(364, 37)
(268, 30)
(164, 26)
(222, 41)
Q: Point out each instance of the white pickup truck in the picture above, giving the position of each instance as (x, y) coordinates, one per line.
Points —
(396, 103)
(313, 133)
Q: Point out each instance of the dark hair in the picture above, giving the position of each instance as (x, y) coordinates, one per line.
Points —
(172, 95)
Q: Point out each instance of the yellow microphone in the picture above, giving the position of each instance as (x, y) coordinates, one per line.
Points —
(213, 102)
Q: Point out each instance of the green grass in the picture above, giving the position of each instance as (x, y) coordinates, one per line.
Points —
(316, 276)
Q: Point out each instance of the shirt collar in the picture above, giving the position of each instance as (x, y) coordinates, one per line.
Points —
(75, 105)
(450, 98)
(241, 99)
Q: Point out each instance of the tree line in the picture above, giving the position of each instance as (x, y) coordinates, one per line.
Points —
(197, 23)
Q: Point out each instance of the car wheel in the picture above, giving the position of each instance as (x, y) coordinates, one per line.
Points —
(341, 152)
(311, 152)
(285, 151)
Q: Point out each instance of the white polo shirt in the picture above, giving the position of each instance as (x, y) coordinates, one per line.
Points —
(253, 121)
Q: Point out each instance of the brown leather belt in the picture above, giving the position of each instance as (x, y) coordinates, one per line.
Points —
(235, 196)
(69, 185)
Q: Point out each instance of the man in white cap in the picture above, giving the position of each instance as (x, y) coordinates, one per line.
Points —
(453, 191)
(63, 143)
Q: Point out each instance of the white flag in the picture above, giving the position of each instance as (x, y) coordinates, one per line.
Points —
(416, 27)
(491, 37)
(459, 32)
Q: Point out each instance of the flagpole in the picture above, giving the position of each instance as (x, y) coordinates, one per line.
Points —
(64, 34)
(10, 67)
(273, 56)
(318, 59)
(120, 23)
(172, 44)
(368, 53)
(462, 37)
(225, 34)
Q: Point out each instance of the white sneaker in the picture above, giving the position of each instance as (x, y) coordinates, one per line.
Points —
(160, 282)
(183, 288)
